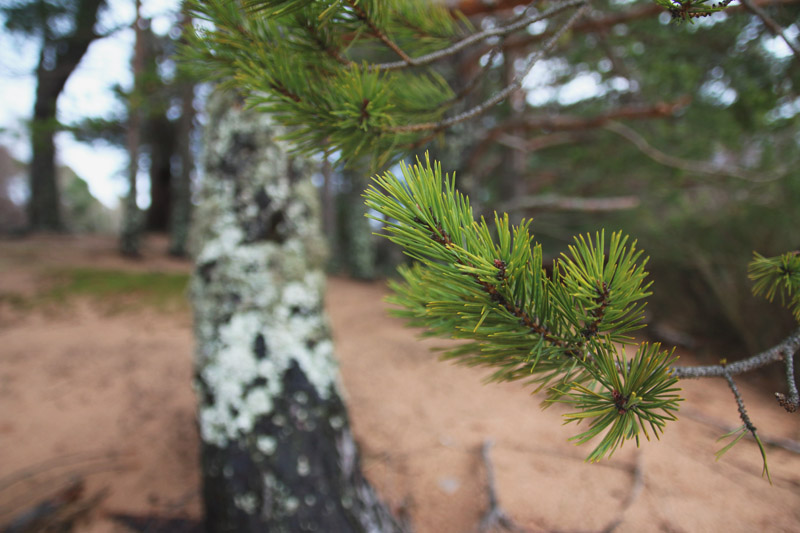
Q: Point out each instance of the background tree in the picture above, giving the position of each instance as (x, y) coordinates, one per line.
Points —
(277, 450)
(66, 28)
(130, 232)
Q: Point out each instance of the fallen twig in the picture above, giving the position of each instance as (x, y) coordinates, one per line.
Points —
(633, 495)
(494, 516)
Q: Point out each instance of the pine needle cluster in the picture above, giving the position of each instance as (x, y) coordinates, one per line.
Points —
(564, 331)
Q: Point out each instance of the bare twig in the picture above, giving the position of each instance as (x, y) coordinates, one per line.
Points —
(773, 26)
(699, 167)
(791, 402)
(787, 444)
(778, 352)
(494, 516)
(740, 403)
(376, 31)
(501, 95)
(568, 123)
(554, 202)
(480, 36)
(633, 495)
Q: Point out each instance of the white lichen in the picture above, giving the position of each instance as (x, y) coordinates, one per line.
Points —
(266, 444)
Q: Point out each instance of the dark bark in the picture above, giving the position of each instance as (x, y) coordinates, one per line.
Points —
(162, 140)
(57, 60)
(277, 451)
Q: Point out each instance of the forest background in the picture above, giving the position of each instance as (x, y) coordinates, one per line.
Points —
(701, 174)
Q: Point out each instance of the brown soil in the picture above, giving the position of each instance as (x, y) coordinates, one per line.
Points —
(106, 397)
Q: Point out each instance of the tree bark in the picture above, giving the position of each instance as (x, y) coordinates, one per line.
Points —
(277, 451)
(57, 61)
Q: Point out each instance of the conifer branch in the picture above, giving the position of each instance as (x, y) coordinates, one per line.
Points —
(502, 94)
(480, 36)
(791, 402)
(777, 353)
(748, 426)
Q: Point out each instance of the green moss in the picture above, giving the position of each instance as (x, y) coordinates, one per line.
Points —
(119, 289)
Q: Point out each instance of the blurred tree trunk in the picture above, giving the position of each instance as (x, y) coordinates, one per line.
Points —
(180, 214)
(161, 137)
(130, 234)
(58, 59)
(277, 451)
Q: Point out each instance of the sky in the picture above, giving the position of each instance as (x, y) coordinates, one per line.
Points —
(87, 93)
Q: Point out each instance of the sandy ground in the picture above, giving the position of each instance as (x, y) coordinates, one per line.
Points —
(105, 397)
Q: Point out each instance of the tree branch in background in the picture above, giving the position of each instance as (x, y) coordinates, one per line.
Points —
(480, 36)
(554, 202)
(590, 25)
(770, 23)
(700, 167)
(569, 123)
(504, 93)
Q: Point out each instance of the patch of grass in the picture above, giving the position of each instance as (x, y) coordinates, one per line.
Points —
(121, 289)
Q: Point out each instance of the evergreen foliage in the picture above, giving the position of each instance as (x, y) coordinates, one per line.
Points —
(358, 77)
(488, 286)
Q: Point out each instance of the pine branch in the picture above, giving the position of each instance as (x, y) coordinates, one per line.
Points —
(777, 353)
(515, 85)
(791, 402)
(480, 36)
(748, 426)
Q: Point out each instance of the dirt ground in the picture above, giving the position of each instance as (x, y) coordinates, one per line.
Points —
(103, 396)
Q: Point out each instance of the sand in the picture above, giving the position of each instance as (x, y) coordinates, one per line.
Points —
(103, 394)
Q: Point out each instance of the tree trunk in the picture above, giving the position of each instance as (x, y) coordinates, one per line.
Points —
(44, 208)
(161, 138)
(57, 61)
(131, 231)
(277, 451)
(180, 215)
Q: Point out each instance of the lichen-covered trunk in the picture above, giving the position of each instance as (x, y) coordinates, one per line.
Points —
(277, 452)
